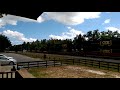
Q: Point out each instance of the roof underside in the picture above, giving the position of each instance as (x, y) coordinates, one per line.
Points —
(30, 10)
(23, 13)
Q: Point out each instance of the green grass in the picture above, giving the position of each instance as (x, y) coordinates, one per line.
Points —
(36, 72)
(38, 75)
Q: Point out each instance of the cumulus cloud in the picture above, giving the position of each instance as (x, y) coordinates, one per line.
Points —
(113, 29)
(67, 35)
(68, 18)
(106, 21)
(12, 20)
(18, 36)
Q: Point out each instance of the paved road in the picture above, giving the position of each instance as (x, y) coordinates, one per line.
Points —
(97, 59)
(20, 58)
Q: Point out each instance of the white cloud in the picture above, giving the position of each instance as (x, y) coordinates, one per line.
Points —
(69, 27)
(106, 21)
(107, 12)
(12, 20)
(18, 36)
(40, 19)
(113, 29)
(16, 42)
(56, 37)
(68, 18)
(67, 35)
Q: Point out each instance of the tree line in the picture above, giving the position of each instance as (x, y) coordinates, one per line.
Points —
(81, 43)
(5, 43)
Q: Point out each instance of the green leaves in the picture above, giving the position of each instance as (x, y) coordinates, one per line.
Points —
(78, 44)
(4, 42)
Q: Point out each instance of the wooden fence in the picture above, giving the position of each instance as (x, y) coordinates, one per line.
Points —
(46, 63)
(10, 74)
(86, 62)
(43, 63)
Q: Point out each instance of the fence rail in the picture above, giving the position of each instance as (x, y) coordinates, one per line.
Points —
(92, 63)
(43, 63)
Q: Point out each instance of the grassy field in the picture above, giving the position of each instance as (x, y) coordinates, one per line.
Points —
(72, 71)
(40, 55)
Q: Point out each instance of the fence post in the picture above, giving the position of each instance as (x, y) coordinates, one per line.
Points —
(7, 75)
(54, 62)
(2, 75)
(118, 67)
(61, 61)
(99, 64)
(28, 65)
(92, 63)
(46, 63)
(79, 61)
(38, 64)
(17, 67)
(11, 74)
(108, 65)
(73, 61)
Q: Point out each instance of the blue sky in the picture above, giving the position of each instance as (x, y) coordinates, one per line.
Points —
(57, 25)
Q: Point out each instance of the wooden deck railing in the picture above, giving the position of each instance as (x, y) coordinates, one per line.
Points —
(10, 74)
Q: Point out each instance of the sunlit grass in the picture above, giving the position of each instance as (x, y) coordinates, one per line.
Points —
(70, 72)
